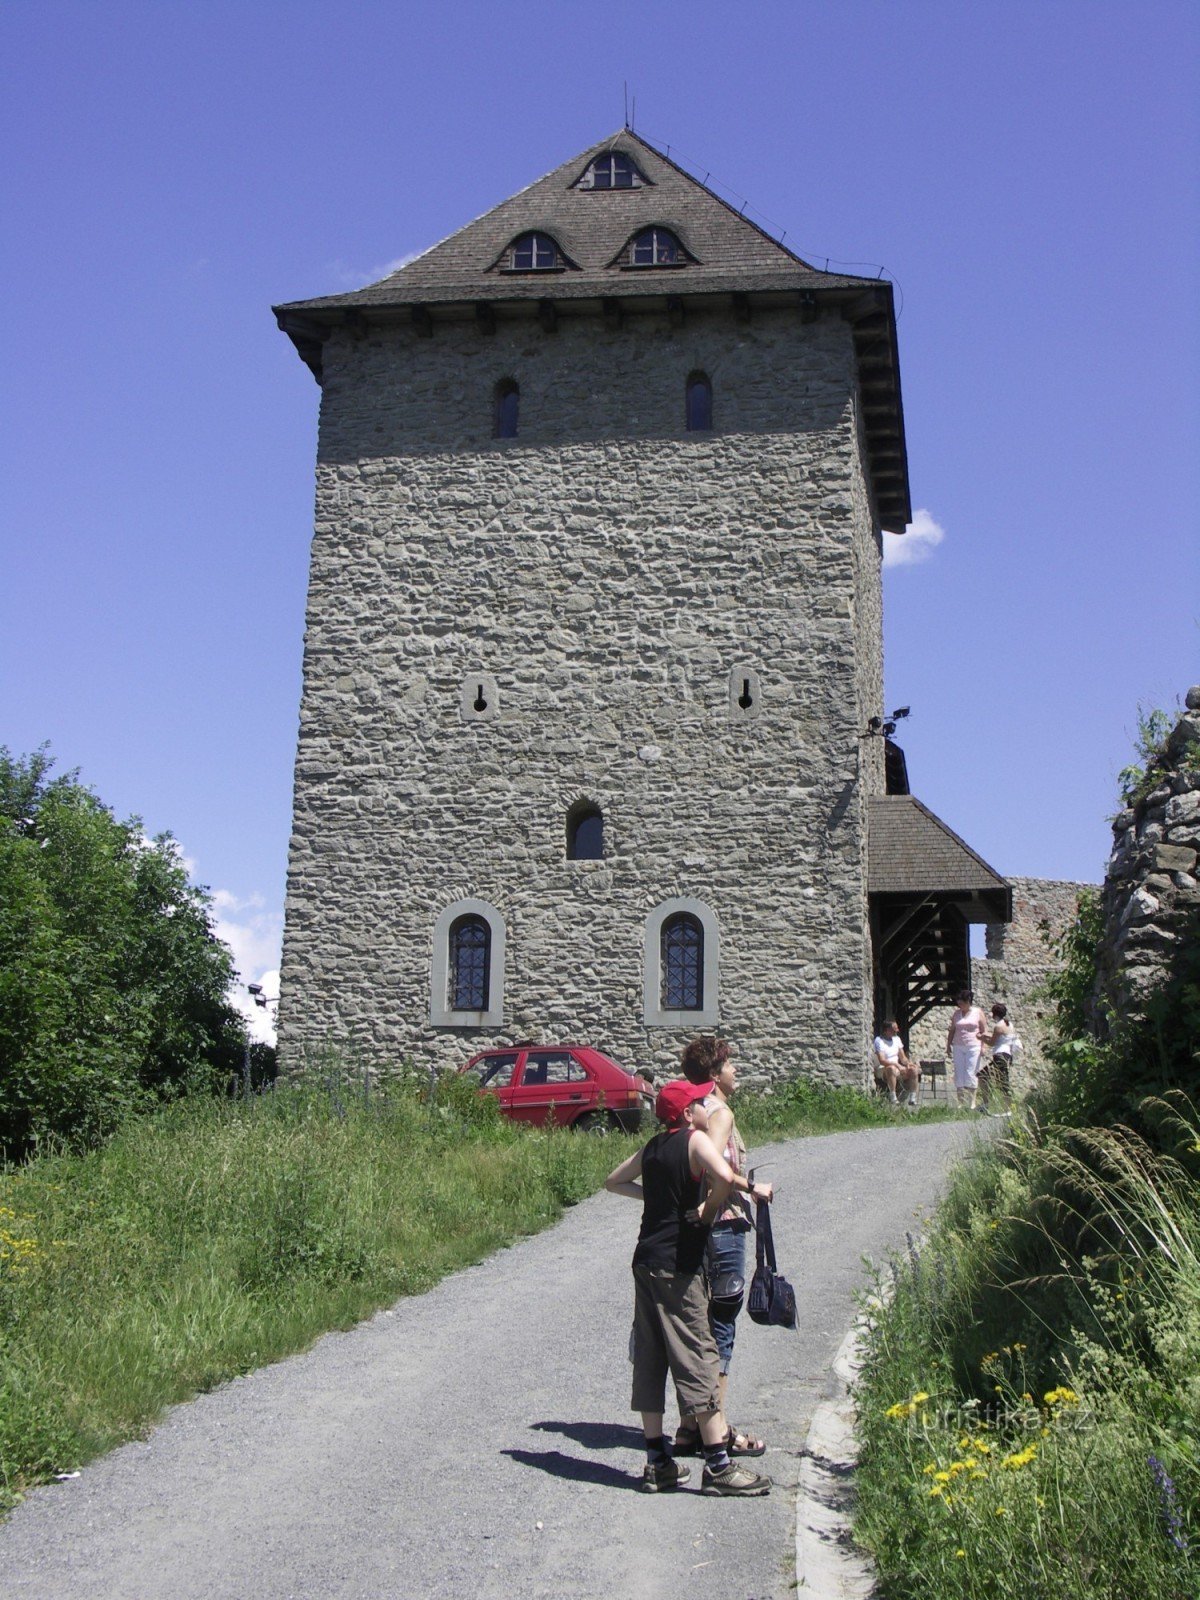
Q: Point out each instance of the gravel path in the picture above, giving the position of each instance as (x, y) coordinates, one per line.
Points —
(474, 1441)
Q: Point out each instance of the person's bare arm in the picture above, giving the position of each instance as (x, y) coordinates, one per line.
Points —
(950, 1036)
(622, 1179)
(706, 1159)
(720, 1126)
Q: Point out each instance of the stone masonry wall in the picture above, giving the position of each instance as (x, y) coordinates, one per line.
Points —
(1152, 887)
(610, 574)
(1019, 959)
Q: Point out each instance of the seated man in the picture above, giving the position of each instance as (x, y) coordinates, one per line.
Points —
(892, 1066)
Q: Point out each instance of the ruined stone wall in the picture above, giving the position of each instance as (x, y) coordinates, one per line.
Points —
(1019, 959)
(1152, 886)
(611, 579)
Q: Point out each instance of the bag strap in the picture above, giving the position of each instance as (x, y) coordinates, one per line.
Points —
(765, 1248)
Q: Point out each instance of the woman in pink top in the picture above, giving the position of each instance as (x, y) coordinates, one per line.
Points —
(964, 1041)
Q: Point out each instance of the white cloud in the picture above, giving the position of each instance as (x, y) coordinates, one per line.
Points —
(254, 932)
(352, 277)
(917, 543)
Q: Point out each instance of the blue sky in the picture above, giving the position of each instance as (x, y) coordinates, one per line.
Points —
(1025, 173)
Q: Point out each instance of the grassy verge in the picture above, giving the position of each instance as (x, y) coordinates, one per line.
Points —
(212, 1237)
(1030, 1404)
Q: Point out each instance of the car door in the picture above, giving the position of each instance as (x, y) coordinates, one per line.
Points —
(553, 1087)
(495, 1073)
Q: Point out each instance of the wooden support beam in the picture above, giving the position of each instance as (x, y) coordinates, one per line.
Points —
(810, 308)
(548, 315)
(614, 314)
(356, 323)
(675, 312)
(871, 305)
(741, 307)
(485, 316)
(422, 321)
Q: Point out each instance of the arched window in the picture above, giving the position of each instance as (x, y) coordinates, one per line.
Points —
(534, 252)
(470, 959)
(698, 403)
(507, 404)
(466, 976)
(682, 963)
(656, 247)
(612, 171)
(585, 833)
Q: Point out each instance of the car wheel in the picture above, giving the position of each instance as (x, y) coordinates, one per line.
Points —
(597, 1122)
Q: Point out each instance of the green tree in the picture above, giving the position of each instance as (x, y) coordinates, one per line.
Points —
(112, 983)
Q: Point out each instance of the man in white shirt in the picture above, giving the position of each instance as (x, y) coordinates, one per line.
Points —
(892, 1066)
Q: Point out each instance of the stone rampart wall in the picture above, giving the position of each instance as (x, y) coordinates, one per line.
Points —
(1152, 885)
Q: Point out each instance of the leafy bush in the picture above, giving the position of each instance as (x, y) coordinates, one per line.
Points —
(112, 984)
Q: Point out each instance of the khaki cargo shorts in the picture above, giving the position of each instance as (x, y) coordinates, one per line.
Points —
(671, 1333)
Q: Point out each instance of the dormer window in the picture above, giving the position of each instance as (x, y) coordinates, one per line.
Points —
(533, 252)
(612, 171)
(654, 247)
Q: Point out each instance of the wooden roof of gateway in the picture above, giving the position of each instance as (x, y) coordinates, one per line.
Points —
(910, 851)
(727, 256)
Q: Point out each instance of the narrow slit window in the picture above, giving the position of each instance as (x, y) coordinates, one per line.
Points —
(470, 962)
(507, 406)
(585, 834)
(698, 399)
(682, 963)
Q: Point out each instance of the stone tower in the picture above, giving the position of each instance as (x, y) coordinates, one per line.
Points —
(594, 636)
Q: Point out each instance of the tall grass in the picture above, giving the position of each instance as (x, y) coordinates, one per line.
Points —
(1030, 1403)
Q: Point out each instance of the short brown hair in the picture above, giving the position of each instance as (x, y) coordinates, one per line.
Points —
(703, 1059)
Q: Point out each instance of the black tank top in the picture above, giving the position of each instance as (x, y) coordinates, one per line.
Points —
(666, 1240)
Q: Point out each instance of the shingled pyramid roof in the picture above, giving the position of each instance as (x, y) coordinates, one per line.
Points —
(591, 226)
(726, 255)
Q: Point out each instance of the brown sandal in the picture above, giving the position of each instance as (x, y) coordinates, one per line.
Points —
(744, 1444)
(687, 1441)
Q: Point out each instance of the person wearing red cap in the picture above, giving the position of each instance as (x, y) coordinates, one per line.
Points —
(671, 1329)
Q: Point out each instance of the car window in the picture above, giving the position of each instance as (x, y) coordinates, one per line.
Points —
(550, 1067)
(493, 1072)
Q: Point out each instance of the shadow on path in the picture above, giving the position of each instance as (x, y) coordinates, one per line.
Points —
(559, 1465)
(595, 1435)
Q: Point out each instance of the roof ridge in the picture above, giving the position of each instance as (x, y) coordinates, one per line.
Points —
(946, 828)
(720, 199)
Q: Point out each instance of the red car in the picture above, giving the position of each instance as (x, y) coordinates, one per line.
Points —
(571, 1085)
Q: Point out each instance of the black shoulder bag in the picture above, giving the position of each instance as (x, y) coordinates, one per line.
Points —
(772, 1299)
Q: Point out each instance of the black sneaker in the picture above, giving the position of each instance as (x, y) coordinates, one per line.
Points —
(659, 1477)
(735, 1479)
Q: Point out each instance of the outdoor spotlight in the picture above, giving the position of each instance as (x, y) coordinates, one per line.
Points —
(875, 723)
(901, 711)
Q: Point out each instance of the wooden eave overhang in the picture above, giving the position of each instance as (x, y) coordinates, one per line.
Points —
(914, 859)
(868, 310)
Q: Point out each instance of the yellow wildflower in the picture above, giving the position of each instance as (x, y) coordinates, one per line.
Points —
(941, 1477)
(1061, 1396)
(936, 1491)
(1001, 1511)
(1020, 1458)
(960, 1555)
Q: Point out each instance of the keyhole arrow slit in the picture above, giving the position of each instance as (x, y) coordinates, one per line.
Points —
(745, 699)
(479, 702)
